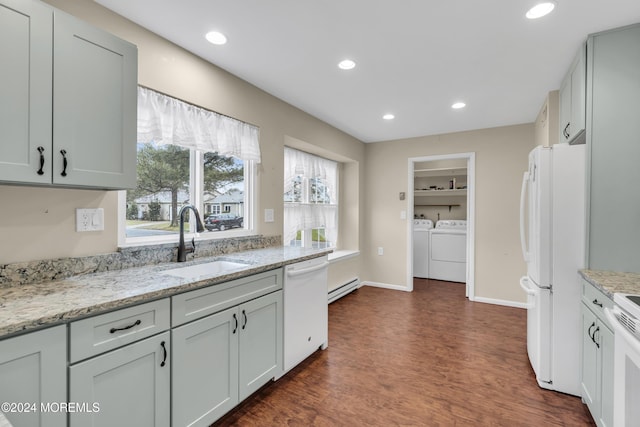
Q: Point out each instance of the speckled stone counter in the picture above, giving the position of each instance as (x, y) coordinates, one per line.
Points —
(611, 282)
(28, 307)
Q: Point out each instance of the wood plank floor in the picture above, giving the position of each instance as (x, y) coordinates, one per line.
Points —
(426, 358)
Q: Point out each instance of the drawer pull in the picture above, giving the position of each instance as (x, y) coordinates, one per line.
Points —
(591, 327)
(136, 323)
(165, 354)
(598, 303)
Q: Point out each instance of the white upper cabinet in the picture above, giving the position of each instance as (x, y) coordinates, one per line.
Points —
(573, 101)
(71, 100)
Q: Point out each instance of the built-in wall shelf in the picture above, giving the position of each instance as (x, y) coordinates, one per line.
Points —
(439, 206)
(431, 193)
(451, 172)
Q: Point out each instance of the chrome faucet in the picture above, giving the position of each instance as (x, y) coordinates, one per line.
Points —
(182, 250)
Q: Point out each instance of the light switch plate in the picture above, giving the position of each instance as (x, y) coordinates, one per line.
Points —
(89, 219)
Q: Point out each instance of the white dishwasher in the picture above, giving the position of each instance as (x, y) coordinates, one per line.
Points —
(306, 318)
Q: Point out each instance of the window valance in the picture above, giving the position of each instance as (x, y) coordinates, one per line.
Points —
(166, 120)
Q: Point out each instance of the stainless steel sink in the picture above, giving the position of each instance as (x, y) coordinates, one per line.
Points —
(212, 268)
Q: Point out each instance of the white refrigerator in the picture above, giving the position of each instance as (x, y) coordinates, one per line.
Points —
(552, 233)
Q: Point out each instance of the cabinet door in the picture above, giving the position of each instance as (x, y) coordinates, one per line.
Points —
(260, 342)
(565, 109)
(613, 129)
(130, 385)
(578, 94)
(205, 369)
(606, 341)
(33, 369)
(94, 106)
(589, 361)
(26, 28)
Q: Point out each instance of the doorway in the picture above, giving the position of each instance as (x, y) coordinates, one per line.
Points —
(443, 178)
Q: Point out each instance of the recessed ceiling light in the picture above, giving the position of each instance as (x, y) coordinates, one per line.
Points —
(346, 64)
(388, 117)
(215, 37)
(541, 9)
(458, 105)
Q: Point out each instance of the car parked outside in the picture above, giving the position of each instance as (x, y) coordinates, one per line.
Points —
(223, 222)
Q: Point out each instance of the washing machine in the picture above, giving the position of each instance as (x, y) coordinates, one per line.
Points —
(448, 251)
(421, 229)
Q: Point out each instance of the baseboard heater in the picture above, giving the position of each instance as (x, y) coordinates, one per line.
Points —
(343, 290)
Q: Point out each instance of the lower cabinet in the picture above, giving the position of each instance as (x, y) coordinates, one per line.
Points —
(33, 371)
(221, 359)
(129, 386)
(597, 357)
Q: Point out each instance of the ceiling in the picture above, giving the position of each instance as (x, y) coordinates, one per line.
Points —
(414, 58)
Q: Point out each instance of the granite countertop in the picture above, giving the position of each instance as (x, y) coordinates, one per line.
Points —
(33, 306)
(611, 282)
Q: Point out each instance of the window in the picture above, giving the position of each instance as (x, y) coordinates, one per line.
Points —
(186, 156)
(310, 200)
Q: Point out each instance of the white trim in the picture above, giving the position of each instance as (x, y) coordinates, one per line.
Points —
(471, 215)
(386, 286)
(502, 302)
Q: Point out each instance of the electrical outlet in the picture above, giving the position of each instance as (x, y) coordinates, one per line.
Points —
(89, 219)
(380, 250)
(268, 215)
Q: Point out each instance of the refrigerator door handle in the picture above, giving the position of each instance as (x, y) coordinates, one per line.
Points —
(523, 199)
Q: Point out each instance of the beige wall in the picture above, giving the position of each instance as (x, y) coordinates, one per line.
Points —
(44, 225)
(501, 158)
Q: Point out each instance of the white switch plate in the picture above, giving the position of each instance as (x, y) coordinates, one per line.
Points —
(268, 215)
(380, 250)
(89, 219)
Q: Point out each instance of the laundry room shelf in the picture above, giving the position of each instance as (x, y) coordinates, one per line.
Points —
(439, 193)
(438, 206)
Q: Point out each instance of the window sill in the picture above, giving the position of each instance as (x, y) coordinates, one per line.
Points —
(342, 254)
(200, 237)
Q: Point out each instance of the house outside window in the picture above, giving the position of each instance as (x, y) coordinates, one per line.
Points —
(310, 200)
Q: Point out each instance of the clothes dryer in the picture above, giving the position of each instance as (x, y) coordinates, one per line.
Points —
(421, 229)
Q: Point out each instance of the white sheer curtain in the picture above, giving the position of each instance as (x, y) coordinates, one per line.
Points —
(167, 120)
(300, 213)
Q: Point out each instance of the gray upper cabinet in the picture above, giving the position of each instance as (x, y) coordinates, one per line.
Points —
(572, 101)
(613, 137)
(70, 108)
(26, 28)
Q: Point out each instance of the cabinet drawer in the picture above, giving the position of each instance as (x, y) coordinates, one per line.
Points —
(95, 335)
(199, 303)
(596, 300)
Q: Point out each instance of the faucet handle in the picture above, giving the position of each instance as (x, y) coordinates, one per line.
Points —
(193, 244)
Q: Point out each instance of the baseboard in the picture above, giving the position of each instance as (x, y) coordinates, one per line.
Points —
(347, 288)
(503, 302)
(386, 286)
